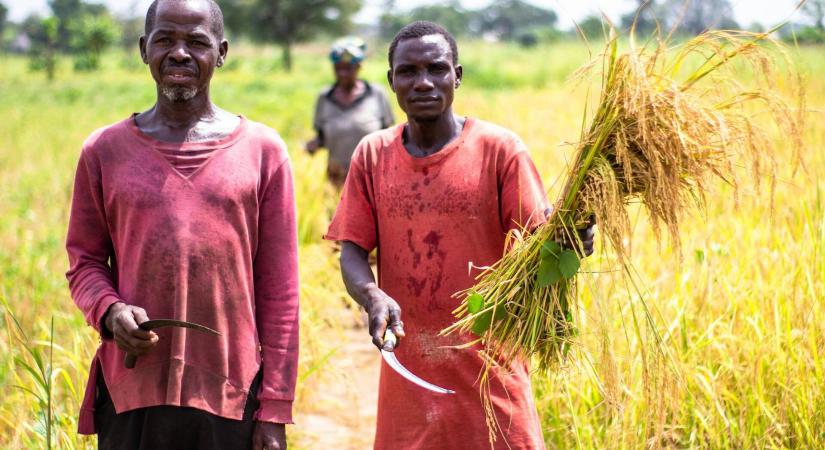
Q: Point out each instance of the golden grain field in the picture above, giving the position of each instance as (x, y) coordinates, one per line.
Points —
(737, 358)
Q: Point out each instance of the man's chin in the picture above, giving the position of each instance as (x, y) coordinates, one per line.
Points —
(177, 93)
(425, 118)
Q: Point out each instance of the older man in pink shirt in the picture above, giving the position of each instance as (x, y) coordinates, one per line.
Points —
(186, 211)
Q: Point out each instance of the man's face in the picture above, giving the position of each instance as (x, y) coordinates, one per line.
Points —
(424, 77)
(182, 51)
(346, 73)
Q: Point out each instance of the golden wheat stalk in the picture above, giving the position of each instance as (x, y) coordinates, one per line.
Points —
(669, 121)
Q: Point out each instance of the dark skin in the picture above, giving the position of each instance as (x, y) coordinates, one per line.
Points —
(424, 79)
(359, 280)
(347, 85)
(347, 89)
(182, 53)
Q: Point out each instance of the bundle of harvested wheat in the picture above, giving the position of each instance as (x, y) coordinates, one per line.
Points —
(662, 131)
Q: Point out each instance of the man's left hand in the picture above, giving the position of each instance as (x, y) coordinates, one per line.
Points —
(585, 235)
(269, 436)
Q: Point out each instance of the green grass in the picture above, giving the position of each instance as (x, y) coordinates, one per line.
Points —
(741, 312)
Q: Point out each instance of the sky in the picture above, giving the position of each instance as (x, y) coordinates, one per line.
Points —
(746, 12)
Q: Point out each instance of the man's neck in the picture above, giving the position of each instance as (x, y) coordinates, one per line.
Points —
(182, 115)
(194, 120)
(427, 137)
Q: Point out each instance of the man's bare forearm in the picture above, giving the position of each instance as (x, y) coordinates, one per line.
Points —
(358, 277)
(382, 310)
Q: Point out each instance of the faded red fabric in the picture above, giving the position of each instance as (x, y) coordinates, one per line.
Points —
(431, 218)
(217, 247)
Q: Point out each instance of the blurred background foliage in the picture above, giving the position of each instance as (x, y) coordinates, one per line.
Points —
(83, 29)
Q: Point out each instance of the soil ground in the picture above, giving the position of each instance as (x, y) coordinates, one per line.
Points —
(344, 416)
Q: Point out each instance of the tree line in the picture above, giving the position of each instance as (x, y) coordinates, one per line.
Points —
(523, 22)
(84, 30)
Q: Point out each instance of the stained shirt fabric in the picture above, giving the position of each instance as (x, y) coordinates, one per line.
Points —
(431, 218)
(213, 243)
(341, 127)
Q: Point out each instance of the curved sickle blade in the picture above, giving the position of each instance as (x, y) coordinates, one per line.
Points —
(390, 358)
(129, 360)
(162, 323)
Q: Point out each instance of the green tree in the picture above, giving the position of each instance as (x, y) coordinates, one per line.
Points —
(815, 10)
(696, 16)
(644, 16)
(32, 26)
(44, 36)
(507, 18)
(91, 35)
(807, 35)
(592, 27)
(4, 12)
(69, 14)
(450, 15)
(131, 29)
(235, 14)
(390, 21)
(65, 11)
(287, 22)
(812, 34)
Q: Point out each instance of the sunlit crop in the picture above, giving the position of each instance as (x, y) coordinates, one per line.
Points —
(740, 311)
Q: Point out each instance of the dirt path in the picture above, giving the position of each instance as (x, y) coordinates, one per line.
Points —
(344, 416)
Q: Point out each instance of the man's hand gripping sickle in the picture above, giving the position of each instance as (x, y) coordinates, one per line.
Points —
(384, 313)
(122, 320)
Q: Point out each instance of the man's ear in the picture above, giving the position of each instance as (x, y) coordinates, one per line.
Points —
(459, 72)
(142, 45)
(223, 50)
(389, 79)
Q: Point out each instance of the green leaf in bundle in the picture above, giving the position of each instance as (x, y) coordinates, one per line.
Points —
(483, 321)
(474, 303)
(549, 272)
(550, 249)
(568, 263)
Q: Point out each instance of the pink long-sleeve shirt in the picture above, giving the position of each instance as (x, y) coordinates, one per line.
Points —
(203, 232)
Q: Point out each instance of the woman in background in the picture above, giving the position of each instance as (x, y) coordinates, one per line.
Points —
(348, 110)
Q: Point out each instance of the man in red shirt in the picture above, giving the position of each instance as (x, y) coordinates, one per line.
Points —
(186, 211)
(434, 195)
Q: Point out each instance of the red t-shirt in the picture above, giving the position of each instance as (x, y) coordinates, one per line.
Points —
(204, 232)
(430, 218)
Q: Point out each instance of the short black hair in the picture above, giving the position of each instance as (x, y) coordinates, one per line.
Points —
(215, 17)
(419, 29)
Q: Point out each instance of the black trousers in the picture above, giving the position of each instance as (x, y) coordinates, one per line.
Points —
(171, 427)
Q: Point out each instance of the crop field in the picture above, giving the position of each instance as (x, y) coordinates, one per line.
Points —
(721, 346)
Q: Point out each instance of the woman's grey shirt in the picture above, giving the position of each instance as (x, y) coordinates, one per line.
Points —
(340, 128)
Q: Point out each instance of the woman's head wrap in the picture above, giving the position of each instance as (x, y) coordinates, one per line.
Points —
(348, 50)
